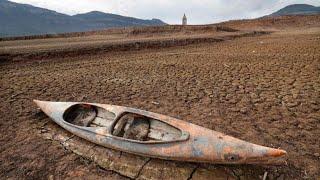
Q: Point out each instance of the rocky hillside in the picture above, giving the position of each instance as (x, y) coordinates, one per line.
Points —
(21, 20)
(297, 9)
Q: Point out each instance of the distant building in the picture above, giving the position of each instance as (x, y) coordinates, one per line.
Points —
(184, 20)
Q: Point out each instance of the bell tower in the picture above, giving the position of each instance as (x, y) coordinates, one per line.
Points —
(184, 19)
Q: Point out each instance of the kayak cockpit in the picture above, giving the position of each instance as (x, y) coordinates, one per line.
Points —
(129, 125)
(86, 115)
(142, 128)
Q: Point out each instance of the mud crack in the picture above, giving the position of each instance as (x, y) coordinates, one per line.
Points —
(192, 173)
(142, 167)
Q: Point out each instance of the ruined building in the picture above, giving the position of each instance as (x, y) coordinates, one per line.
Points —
(184, 20)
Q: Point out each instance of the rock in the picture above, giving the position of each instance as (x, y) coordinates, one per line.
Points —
(256, 101)
(234, 109)
(229, 96)
(155, 103)
(244, 110)
(292, 104)
(274, 116)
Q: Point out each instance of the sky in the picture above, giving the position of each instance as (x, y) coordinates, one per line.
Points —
(171, 11)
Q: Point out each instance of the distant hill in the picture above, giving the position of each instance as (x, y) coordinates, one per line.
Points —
(297, 9)
(22, 20)
(96, 19)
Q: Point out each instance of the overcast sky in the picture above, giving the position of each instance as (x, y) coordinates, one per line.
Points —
(171, 11)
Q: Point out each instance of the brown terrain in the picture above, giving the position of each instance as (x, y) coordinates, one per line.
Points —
(260, 83)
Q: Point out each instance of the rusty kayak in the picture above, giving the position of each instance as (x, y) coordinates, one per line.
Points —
(154, 135)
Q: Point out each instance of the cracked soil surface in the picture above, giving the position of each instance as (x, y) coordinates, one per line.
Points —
(264, 89)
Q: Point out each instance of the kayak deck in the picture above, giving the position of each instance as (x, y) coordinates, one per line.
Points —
(129, 125)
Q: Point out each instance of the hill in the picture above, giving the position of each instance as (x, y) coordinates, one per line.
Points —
(297, 9)
(21, 20)
(98, 19)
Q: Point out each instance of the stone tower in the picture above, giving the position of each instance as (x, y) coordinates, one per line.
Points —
(184, 20)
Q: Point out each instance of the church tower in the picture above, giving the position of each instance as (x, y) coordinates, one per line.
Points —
(184, 20)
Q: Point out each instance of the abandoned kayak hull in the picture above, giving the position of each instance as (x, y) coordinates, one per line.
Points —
(196, 144)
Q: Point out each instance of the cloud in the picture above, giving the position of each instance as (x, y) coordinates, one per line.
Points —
(171, 11)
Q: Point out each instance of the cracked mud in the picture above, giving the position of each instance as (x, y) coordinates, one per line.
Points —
(264, 89)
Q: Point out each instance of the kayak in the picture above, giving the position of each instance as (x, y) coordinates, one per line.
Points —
(154, 135)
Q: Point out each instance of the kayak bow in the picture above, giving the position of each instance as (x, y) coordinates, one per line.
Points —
(154, 135)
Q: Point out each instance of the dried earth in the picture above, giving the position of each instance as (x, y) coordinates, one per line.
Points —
(263, 89)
